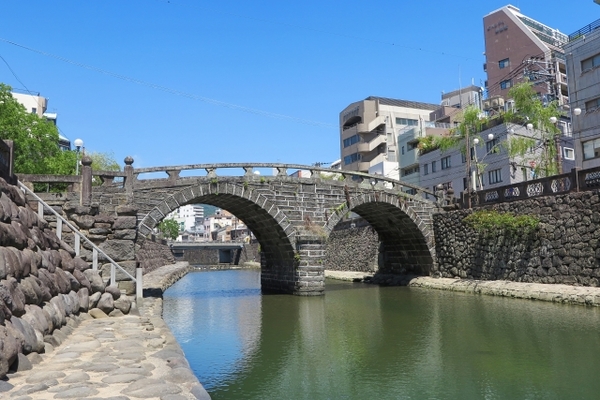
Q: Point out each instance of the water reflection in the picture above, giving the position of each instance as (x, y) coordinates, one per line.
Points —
(362, 341)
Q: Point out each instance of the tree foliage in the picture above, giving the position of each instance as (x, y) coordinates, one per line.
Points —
(103, 162)
(35, 139)
(529, 109)
(169, 228)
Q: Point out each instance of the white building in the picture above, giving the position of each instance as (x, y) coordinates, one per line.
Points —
(188, 217)
(369, 129)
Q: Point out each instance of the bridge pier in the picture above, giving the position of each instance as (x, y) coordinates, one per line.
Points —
(303, 275)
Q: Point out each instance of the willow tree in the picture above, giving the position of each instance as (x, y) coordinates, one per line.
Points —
(541, 147)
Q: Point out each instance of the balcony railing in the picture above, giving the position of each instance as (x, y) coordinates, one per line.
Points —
(585, 30)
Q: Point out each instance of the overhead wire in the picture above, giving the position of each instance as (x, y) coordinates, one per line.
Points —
(174, 91)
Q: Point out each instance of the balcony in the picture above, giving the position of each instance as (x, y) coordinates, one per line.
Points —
(368, 147)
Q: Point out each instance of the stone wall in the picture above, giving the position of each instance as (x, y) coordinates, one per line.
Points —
(153, 254)
(210, 256)
(564, 249)
(42, 283)
(352, 248)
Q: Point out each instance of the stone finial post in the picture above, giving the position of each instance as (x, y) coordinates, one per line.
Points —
(128, 175)
(86, 181)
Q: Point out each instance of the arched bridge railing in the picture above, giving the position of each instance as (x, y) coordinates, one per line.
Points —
(132, 178)
(279, 170)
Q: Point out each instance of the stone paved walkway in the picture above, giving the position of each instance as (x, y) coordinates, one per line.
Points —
(116, 358)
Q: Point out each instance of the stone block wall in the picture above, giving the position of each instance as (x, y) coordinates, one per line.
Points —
(563, 250)
(42, 283)
(210, 256)
(352, 248)
(153, 254)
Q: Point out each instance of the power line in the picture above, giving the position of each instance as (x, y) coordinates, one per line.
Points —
(15, 75)
(175, 91)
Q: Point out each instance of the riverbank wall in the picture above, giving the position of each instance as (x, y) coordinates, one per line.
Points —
(564, 249)
(42, 284)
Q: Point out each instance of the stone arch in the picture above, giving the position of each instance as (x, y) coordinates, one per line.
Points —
(404, 226)
(275, 233)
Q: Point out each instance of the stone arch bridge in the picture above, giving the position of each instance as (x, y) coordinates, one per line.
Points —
(290, 215)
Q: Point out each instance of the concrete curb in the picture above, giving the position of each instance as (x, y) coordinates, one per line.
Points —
(556, 293)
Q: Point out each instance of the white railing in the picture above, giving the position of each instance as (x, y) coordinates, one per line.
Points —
(60, 220)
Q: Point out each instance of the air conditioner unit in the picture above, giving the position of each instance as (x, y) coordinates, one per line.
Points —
(486, 105)
(497, 102)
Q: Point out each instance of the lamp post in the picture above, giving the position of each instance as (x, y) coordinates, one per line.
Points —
(78, 145)
(468, 151)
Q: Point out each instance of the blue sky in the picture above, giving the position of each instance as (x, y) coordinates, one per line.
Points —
(172, 82)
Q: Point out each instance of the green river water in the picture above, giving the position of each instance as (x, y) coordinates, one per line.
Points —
(362, 341)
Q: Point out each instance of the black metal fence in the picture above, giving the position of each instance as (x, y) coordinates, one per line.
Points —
(575, 181)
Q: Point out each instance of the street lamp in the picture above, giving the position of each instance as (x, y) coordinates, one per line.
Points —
(78, 145)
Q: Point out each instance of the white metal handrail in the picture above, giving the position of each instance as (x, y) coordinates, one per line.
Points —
(78, 236)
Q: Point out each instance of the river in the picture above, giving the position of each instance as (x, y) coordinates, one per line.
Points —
(362, 341)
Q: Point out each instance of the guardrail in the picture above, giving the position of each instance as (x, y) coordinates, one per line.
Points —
(60, 220)
(129, 178)
(575, 181)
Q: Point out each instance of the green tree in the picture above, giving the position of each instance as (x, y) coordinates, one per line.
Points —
(529, 109)
(102, 162)
(169, 228)
(35, 139)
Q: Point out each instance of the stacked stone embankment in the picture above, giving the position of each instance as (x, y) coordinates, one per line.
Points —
(42, 284)
(564, 249)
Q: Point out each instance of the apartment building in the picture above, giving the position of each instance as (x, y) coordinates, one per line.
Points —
(439, 122)
(189, 217)
(491, 165)
(583, 62)
(369, 129)
(519, 47)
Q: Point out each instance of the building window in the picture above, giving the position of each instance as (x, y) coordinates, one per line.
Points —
(591, 149)
(402, 149)
(506, 84)
(568, 153)
(495, 176)
(446, 162)
(407, 121)
(590, 63)
(425, 169)
(503, 63)
(492, 146)
(351, 140)
(410, 171)
(592, 105)
(433, 166)
(351, 158)
(412, 145)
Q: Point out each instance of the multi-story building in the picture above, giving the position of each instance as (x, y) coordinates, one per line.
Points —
(36, 104)
(189, 217)
(519, 47)
(217, 222)
(438, 123)
(369, 129)
(583, 62)
(491, 165)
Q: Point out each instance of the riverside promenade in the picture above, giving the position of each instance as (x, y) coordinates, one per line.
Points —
(112, 358)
